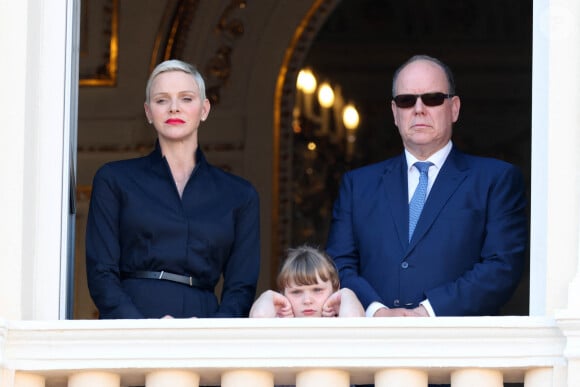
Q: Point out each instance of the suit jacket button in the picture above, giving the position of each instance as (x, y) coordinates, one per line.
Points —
(405, 265)
(396, 302)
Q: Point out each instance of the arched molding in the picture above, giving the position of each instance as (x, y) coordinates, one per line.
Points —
(283, 104)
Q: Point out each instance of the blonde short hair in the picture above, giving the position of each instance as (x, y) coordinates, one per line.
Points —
(175, 65)
(304, 265)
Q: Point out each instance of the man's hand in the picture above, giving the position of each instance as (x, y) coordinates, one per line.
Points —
(419, 311)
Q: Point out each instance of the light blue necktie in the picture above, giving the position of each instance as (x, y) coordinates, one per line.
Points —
(418, 199)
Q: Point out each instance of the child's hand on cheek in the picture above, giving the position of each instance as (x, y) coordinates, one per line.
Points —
(343, 303)
(283, 306)
(332, 305)
(271, 304)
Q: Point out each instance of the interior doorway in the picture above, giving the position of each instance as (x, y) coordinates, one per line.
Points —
(355, 44)
(488, 45)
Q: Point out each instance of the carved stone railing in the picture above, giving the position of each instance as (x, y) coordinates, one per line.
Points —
(409, 352)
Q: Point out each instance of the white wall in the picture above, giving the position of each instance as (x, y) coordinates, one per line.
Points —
(13, 22)
(35, 106)
(35, 102)
(556, 155)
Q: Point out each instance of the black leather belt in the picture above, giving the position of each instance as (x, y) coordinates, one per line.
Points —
(163, 275)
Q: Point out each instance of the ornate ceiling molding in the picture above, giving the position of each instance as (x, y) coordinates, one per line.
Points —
(172, 34)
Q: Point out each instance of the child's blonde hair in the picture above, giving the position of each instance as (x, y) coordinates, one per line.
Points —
(304, 265)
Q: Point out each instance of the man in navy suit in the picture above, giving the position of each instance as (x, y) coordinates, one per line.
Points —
(467, 252)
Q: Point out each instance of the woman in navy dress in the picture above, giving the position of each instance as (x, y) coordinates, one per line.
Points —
(163, 229)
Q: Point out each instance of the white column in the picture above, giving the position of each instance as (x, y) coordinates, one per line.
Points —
(323, 378)
(51, 82)
(13, 22)
(476, 377)
(573, 376)
(35, 156)
(94, 379)
(22, 379)
(173, 378)
(539, 377)
(401, 378)
(247, 378)
(555, 156)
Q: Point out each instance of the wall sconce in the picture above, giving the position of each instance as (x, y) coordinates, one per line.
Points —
(350, 117)
(324, 141)
(326, 101)
(306, 81)
(306, 84)
(325, 95)
(351, 120)
(328, 115)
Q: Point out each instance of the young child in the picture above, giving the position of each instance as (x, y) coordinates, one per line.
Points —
(308, 287)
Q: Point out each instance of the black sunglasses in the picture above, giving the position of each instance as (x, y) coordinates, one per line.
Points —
(429, 99)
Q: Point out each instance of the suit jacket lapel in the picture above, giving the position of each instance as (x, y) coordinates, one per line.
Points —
(395, 184)
(452, 174)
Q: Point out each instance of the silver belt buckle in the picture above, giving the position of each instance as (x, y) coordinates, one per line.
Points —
(161, 274)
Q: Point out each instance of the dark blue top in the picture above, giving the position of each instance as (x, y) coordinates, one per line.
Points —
(467, 253)
(137, 221)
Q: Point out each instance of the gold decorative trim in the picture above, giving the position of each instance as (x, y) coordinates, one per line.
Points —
(102, 64)
(219, 67)
(172, 32)
(283, 104)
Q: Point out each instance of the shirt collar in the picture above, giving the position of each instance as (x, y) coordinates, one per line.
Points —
(157, 156)
(438, 158)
